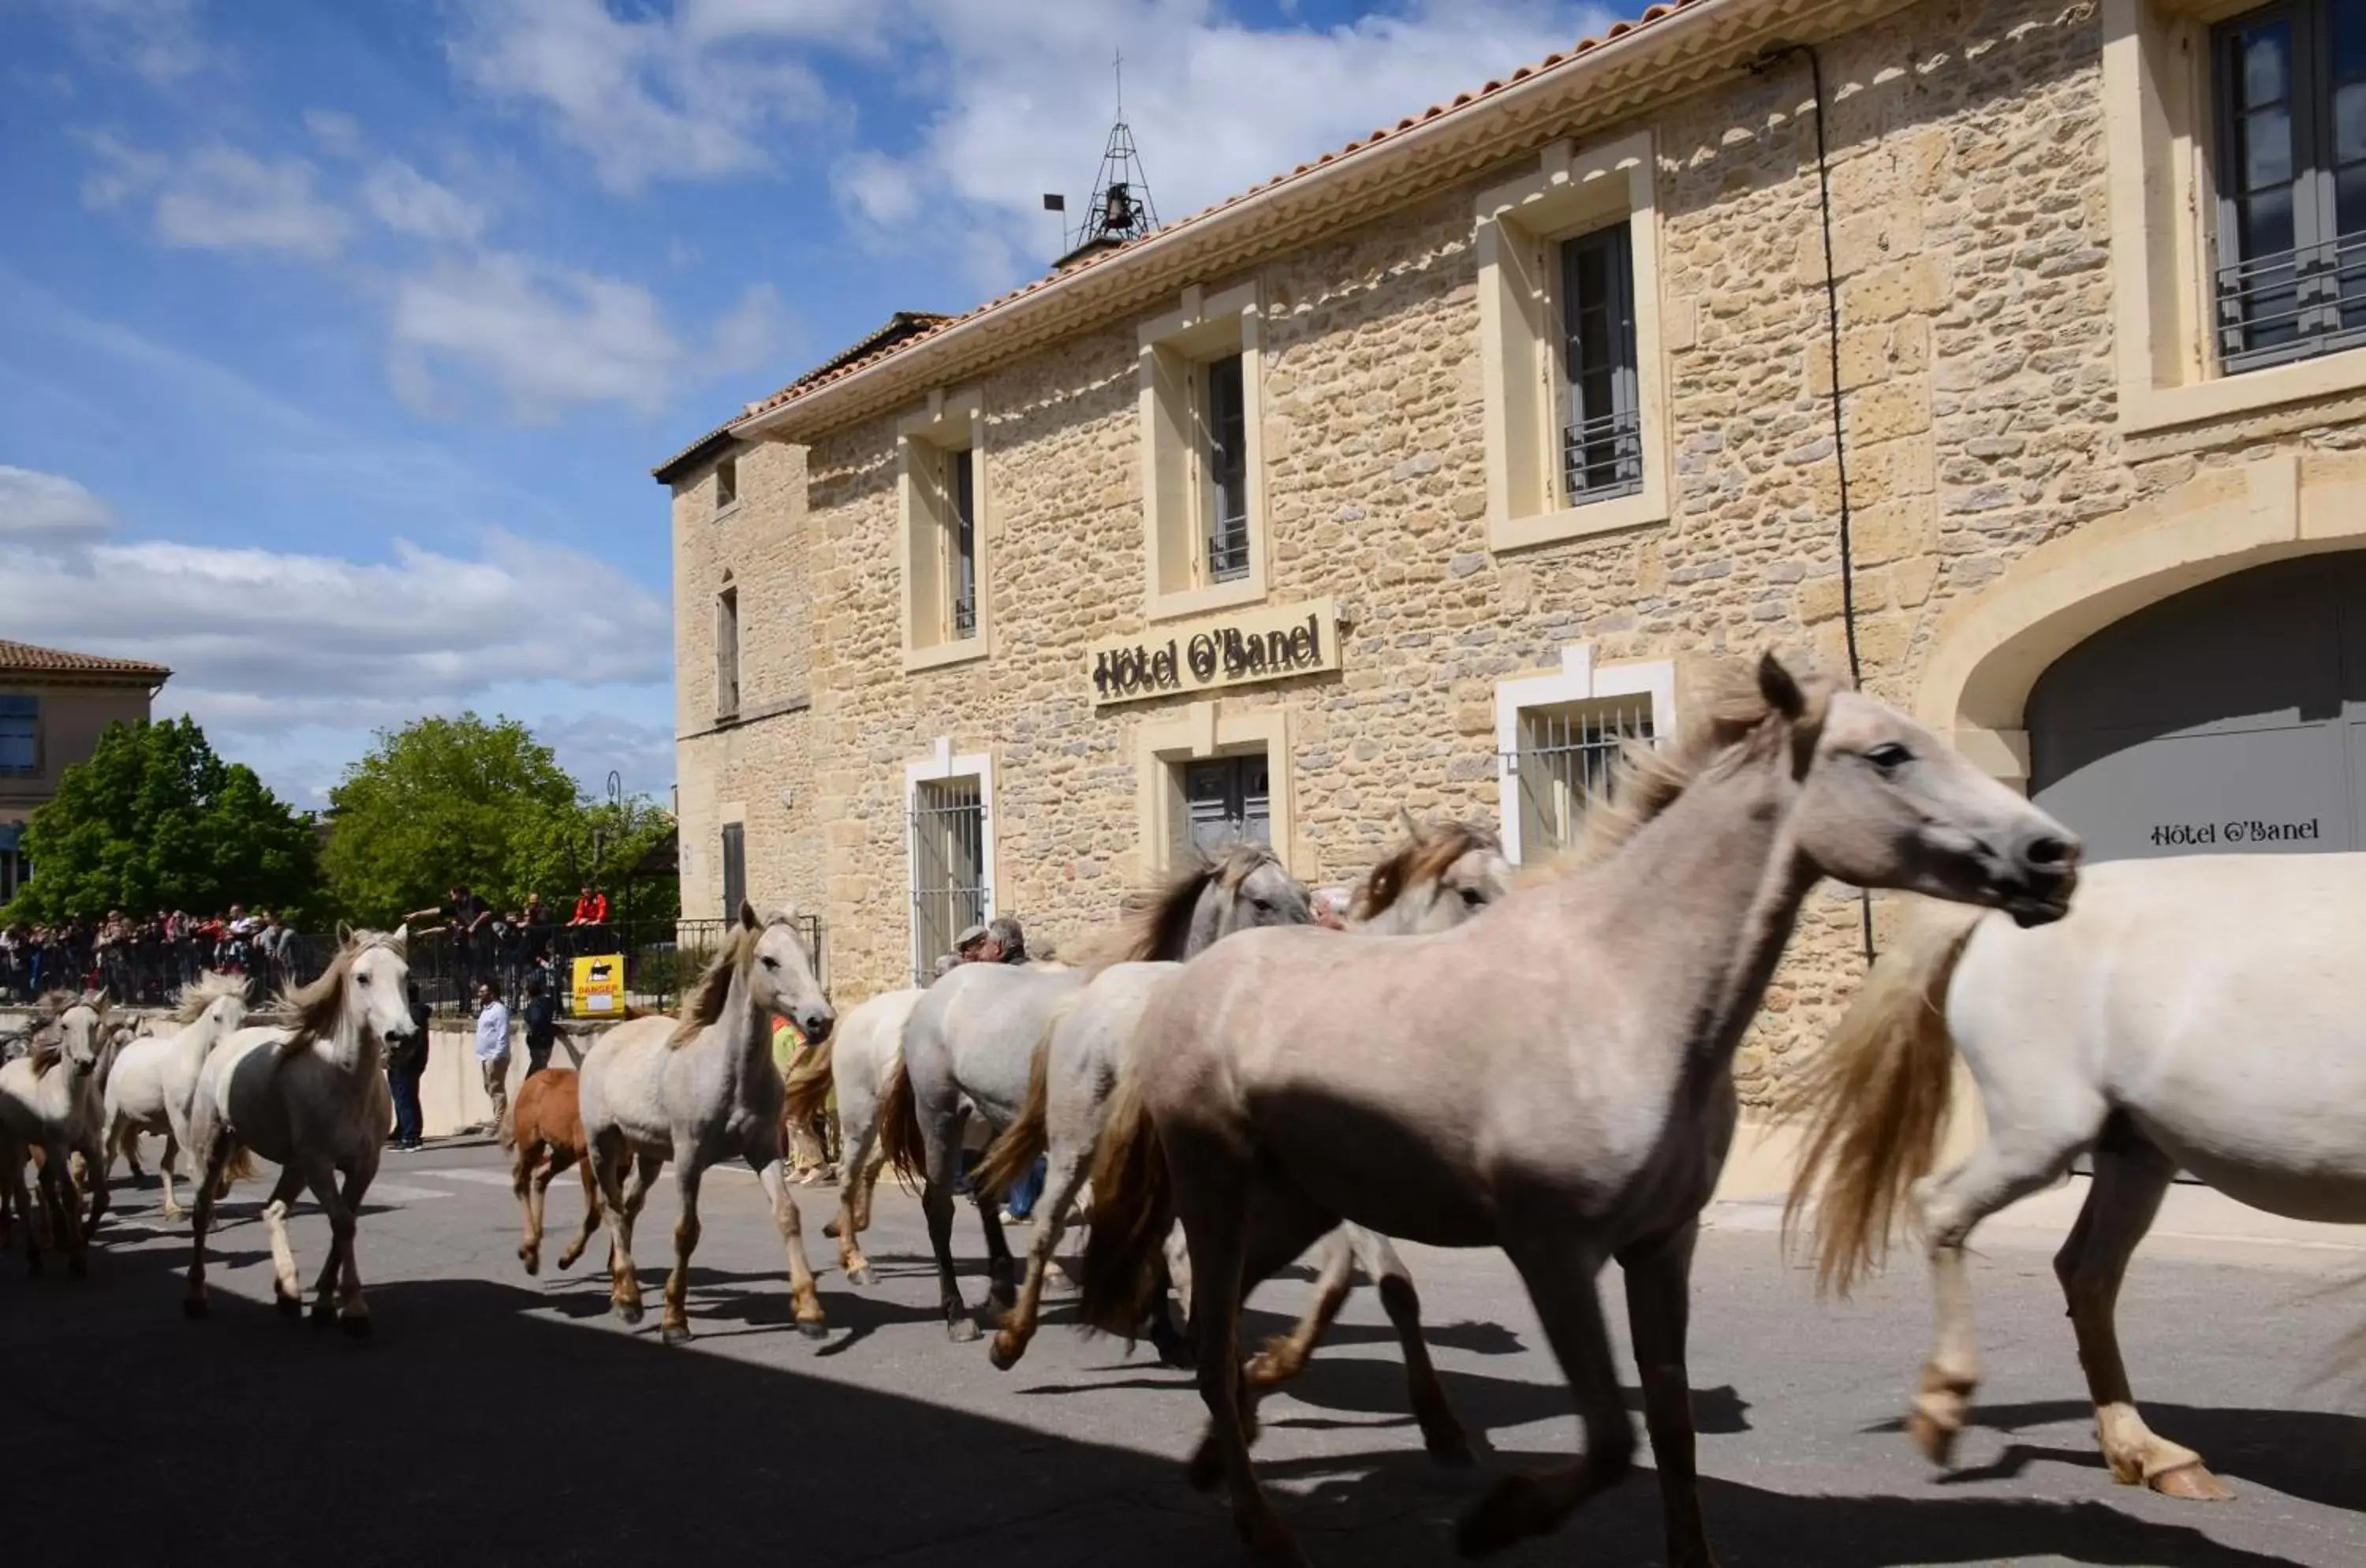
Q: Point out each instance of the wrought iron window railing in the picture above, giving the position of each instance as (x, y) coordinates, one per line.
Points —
(2293, 304)
(1603, 457)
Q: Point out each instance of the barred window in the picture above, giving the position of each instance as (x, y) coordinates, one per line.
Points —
(1566, 756)
(1602, 430)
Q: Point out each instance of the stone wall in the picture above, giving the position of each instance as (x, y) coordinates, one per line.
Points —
(1970, 252)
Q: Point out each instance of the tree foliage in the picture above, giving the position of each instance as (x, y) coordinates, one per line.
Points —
(451, 801)
(156, 820)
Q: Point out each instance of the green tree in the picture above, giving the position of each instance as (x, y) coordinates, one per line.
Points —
(442, 802)
(156, 820)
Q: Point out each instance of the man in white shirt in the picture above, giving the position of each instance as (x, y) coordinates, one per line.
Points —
(493, 1054)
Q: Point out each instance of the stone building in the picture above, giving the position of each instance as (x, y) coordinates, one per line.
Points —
(1420, 475)
(53, 707)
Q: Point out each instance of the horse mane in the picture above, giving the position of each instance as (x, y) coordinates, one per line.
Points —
(1162, 922)
(1423, 858)
(1730, 711)
(313, 1009)
(49, 1046)
(704, 1007)
(203, 992)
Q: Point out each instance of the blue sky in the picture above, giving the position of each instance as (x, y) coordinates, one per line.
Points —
(336, 340)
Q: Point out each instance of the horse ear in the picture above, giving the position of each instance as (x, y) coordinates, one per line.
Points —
(400, 939)
(748, 917)
(1778, 686)
(344, 933)
(1412, 828)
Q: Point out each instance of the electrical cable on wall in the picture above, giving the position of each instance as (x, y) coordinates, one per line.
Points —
(1833, 352)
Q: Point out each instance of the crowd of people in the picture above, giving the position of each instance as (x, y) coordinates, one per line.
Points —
(146, 960)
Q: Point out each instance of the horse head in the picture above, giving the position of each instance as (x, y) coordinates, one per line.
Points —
(1245, 886)
(1882, 802)
(1442, 876)
(781, 972)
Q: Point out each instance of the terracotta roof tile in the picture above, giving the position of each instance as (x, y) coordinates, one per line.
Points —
(849, 363)
(24, 658)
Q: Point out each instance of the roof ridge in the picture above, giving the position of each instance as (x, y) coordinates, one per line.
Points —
(32, 658)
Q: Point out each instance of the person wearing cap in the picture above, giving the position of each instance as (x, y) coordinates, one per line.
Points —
(1001, 941)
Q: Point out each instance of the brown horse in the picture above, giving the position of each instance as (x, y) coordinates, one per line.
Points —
(546, 1133)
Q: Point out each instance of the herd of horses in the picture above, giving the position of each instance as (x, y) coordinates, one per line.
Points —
(1537, 1061)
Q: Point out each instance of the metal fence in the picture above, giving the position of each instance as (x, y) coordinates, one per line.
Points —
(1566, 757)
(661, 960)
(948, 868)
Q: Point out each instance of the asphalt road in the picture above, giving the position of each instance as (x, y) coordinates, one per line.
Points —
(500, 1419)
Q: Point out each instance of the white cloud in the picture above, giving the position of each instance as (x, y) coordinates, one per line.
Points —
(550, 336)
(38, 508)
(263, 640)
(649, 98)
(410, 203)
(1026, 98)
(156, 38)
(221, 197)
(336, 133)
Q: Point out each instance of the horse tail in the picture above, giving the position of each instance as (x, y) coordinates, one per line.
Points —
(1133, 1209)
(899, 1128)
(1019, 1146)
(810, 1080)
(1875, 1100)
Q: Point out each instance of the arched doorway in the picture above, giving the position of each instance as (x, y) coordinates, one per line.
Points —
(2230, 718)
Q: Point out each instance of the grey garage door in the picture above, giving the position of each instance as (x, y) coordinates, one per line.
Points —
(2231, 717)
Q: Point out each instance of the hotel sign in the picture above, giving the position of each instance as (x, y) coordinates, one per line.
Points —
(1269, 643)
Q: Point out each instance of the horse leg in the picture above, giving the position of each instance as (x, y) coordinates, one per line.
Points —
(1281, 1227)
(207, 1162)
(1559, 1274)
(20, 1198)
(622, 1274)
(66, 1209)
(803, 1294)
(2132, 1176)
(1001, 1268)
(1659, 1311)
(94, 1160)
(2012, 1164)
(164, 1173)
(1285, 1355)
(1063, 1177)
(1441, 1431)
(673, 1324)
(353, 1310)
(1215, 1198)
(620, 1196)
(285, 1292)
(857, 1171)
(537, 1159)
(559, 1161)
(942, 1137)
(320, 1177)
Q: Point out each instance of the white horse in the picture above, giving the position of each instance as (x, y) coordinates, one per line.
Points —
(859, 1063)
(311, 1097)
(1437, 879)
(154, 1080)
(2198, 1013)
(970, 1048)
(49, 1101)
(1553, 1078)
(699, 1091)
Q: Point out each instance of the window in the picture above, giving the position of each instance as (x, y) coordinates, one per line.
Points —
(1224, 450)
(1566, 757)
(727, 483)
(727, 654)
(735, 868)
(1203, 487)
(948, 868)
(20, 735)
(1574, 414)
(1558, 738)
(1602, 430)
(1230, 799)
(14, 869)
(946, 505)
(2291, 280)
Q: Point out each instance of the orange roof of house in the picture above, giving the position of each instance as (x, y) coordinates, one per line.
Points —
(849, 363)
(24, 658)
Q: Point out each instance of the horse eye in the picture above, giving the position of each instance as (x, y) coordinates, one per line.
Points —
(363, 979)
(772, 963)
(1470, 896)
(1889, 755)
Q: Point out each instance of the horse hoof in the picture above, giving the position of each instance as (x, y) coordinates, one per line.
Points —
(1512, 1511)
(813, 1329)
(533, 1263)
(627, 1312)
(1452, 1453)
(2192, 1482)
(830, 1230)
(1178, 1357)
(356, 1327)
(676, 1334)
(859, 1275)
(1006, 1350)
(1936, 1440)
(963, 1331)
(196, 1308)
(288, 1306)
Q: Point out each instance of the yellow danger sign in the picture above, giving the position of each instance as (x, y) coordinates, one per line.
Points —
(599, 989)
